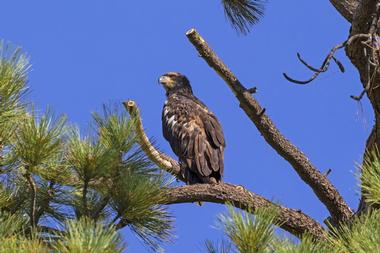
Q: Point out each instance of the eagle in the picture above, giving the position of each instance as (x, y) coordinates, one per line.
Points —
(193, 132)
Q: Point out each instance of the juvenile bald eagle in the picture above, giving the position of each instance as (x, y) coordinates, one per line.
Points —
(193, 131)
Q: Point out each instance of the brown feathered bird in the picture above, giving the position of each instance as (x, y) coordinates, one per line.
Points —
(193, 131)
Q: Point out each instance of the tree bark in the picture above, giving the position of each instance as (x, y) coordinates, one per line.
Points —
(346, 8)
(293, 221)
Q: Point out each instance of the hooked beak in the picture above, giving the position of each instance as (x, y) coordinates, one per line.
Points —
(163, 79)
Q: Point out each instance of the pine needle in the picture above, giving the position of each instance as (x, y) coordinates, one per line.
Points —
(243, 14)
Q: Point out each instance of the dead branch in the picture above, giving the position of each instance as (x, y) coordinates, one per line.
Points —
(162, 160)
(322, 187)
(358, 98)
(324, 67)
(292, 220)
(326, 63)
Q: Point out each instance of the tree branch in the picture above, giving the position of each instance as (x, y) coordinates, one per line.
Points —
(346, 8)
(293, 221)
(162, 160)
(326, 63)
(33, 201)
(321, 186)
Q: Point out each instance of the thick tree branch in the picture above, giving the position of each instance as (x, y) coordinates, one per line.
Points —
(293, 221)
(346, 8)
(321, 186)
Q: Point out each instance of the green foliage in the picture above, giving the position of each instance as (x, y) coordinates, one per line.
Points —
(51, 175)
(306, 245)
(370, 178)
(85, 236)
(19, 244)
(360, 237)
(14, 66)
(243, 13)
(12, 239)
(38, 141)
(222, 247)
(135, 199)
(115, 129)
(11, 224)
(249, 234)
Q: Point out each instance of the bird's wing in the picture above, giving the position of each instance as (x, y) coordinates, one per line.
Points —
(195, 135)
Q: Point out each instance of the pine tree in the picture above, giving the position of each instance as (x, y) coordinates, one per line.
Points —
(66, 192)
(62, 191)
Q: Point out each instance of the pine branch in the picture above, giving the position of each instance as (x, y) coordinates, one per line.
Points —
(292, 221)
(243, 13)
(322, 187)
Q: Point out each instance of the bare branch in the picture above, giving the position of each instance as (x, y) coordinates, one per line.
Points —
(358, 98)
(163, 161)
(321, 186)
(346, 8)
(324, 67)
(326, 63)
(293, 221)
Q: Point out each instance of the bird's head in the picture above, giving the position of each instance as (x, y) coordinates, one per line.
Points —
(175, 82)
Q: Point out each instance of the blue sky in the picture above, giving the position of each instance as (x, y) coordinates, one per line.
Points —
(86, 53)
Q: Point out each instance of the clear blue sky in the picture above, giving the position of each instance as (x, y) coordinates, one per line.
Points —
(85, 53)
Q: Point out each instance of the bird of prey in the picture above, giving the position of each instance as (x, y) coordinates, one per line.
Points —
(193, 131)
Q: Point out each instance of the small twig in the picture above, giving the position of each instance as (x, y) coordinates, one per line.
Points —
(324, 67)
(326, 63)
(252, 90)
(358, 98)
(328, 172)
(339, 64)
(307, 65)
